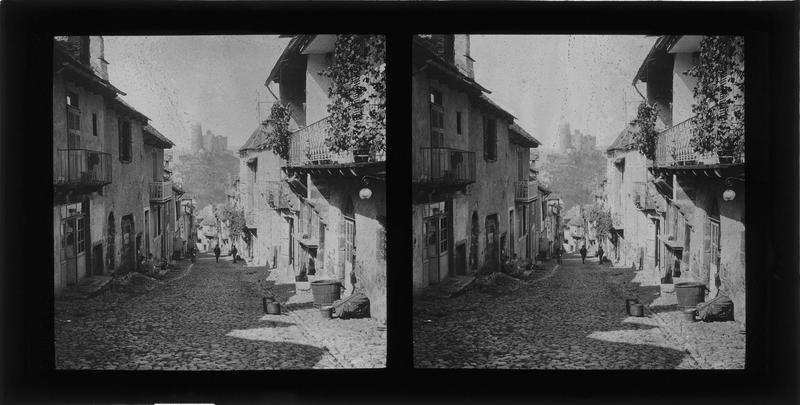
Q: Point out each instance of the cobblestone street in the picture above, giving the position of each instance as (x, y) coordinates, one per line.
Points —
(209, 316)
(572, 317)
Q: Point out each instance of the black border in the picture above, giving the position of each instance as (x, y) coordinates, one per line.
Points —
(772, 201)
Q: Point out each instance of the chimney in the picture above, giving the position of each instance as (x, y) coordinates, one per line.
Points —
(97, 57)
(461, 57)
(89, 51)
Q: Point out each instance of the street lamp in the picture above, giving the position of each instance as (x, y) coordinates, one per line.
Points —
(729, 194)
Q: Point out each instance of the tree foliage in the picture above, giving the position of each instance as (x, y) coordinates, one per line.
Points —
(644, 130)
(601, 221)
(278, 137)
(719, 96)
(232, 218)
(357, 109)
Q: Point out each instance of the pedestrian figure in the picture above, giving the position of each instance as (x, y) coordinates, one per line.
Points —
(600, 253)
(216, 252)
(558, 254)
(583, 254)
(234, 251)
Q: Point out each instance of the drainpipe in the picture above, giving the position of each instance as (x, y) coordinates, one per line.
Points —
(637, 90)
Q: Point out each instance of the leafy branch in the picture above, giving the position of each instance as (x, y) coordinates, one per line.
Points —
(719, 95)
(357, 93)
(644, 132)
(278, 137)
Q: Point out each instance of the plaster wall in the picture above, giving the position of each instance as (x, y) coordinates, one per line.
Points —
(317, 87)
(682, 86)
(731, 272)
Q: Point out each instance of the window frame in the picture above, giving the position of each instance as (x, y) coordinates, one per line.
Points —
(489, 139)
(125, 147)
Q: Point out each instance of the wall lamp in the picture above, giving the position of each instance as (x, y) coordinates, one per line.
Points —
(729, 194)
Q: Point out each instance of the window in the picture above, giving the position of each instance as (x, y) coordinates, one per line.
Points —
(125, 141)
(94, 124)
(511, 232)
(437, 119)
(443, 234)
(81, 235)
(458, 122)
(489, 139)
(72, 99)
(524, 221)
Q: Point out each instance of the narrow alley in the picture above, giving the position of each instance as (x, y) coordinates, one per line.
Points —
(573, 317)
(209, 317)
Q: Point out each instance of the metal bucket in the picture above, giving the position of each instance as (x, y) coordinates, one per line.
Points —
(325, 292)
(326, 312)
(628, 303)
(688, 315)
(637, 310)
(265, 301)
(274, 308)
(690, 294)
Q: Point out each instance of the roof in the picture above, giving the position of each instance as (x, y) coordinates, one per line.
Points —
(487, 102)
(65, 53)
(449, 70)
(258, 137)
(624, 141)
(125, 106)
(661, 46)
(156, 138)
(294, 46)
(521, 137)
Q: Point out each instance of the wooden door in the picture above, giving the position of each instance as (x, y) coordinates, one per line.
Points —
(444, 251)
(349, 243)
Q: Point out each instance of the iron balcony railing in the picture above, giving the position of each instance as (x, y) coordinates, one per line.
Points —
(160, 191)
(642, 198)
(82, 167)
(445, 166)
(525, 190)
(673, 147)
(307, 146)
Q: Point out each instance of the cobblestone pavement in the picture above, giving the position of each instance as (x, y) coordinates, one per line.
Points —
(204, 316)
(572, 317)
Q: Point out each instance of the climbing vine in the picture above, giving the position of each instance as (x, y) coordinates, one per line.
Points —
(644, 130)
(357, 93)
(277, 140)
(601, 220)
(719, 96)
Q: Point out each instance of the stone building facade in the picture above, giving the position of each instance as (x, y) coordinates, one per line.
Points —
(317, 213)
(104, 160)
(461, 225)
(702, 231)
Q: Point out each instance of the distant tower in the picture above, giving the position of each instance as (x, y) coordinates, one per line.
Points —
(208, 141)
(197, 137)
(564, 137)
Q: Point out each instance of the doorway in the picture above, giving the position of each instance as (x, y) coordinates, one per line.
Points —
(492, 258)
(127, 260)
(73, 244)
(436, 242)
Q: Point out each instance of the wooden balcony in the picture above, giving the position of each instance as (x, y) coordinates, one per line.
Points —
(307, 147)
(441, 166)
(525, 191)
(160, 191)
(77, 168)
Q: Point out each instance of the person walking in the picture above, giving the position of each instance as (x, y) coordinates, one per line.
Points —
(216, 252)
(234, 251)
(583, 254)
(558, 254)
(600, 253)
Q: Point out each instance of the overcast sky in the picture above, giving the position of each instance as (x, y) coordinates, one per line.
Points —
(177, 80)
(542, 80)
(545, 80)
